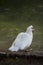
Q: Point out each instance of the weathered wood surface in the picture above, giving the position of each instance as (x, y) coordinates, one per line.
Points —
(21, 58)
(22, 53)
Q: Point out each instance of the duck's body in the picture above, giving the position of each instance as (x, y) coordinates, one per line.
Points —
(23, 41)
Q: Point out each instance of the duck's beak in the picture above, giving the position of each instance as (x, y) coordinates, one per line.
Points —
(33, 29)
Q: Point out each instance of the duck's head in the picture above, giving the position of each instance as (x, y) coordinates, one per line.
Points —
(30, 28)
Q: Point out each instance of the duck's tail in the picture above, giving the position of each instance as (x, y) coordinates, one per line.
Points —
(13, 48)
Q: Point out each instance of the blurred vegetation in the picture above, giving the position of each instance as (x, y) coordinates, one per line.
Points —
(16, 16)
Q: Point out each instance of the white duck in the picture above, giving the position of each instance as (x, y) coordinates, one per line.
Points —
(23, 40)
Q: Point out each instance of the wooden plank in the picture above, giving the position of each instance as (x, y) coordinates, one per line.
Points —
(22, 53)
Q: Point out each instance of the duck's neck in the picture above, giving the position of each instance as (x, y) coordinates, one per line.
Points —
(29, 32)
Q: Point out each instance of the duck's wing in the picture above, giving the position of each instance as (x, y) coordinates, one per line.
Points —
(21, 40)
(18, 39)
